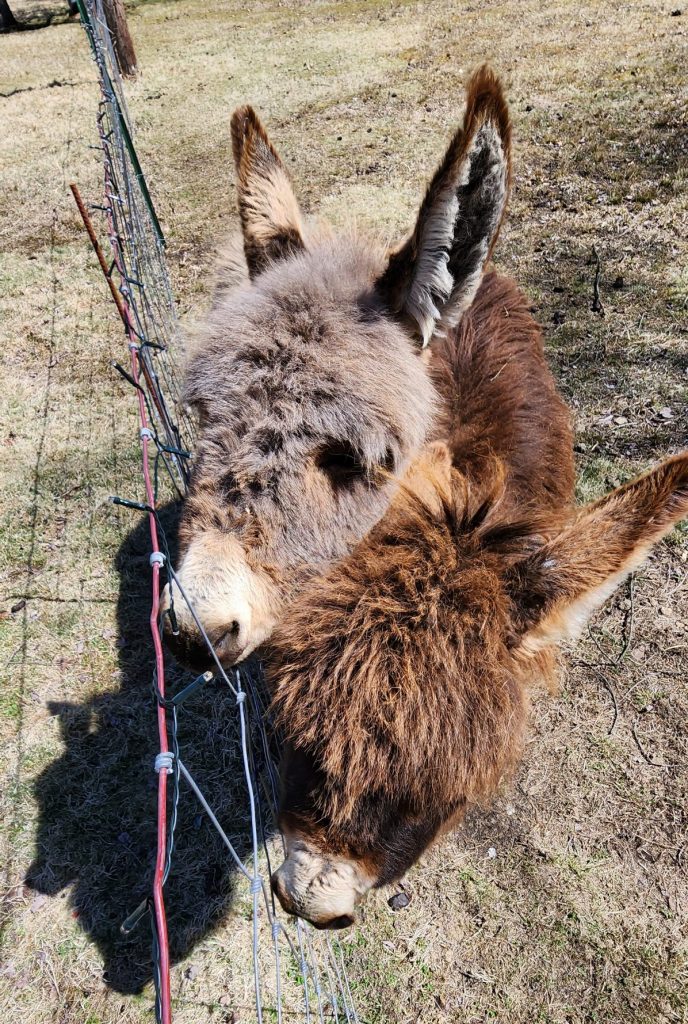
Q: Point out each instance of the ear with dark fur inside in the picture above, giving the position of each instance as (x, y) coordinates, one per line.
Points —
(555, 589)
(270, 215)
(432, 279)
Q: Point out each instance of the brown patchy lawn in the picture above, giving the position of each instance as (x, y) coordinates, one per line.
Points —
(580, 915)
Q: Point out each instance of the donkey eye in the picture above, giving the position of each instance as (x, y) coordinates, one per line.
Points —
(340, 462)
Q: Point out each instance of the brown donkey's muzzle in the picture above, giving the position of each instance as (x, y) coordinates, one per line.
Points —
(320, 887)
(288, 904)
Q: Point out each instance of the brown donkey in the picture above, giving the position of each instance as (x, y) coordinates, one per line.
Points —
(311, 388)
(401, 677)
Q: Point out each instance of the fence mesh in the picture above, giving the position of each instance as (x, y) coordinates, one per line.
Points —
(296, 972)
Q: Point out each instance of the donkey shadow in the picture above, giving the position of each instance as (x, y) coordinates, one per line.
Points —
(97, 802)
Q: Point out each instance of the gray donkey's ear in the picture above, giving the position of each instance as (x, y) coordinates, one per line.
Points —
(270, 215)
(433, 277)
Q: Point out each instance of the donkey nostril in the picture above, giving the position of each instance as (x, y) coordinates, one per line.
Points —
(278, 888)
(188, 649)
(343, 921)
(231, 633)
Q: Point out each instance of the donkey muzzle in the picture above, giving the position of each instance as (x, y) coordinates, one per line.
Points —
(190, 639)
(321, 889)
(216, 598)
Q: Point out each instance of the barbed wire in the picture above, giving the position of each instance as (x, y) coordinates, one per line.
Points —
(140, 285)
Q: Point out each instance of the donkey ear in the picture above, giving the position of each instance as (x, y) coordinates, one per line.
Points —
(555, 589)
(435, 274)
(270, 215)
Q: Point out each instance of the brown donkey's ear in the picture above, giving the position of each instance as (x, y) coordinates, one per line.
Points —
(556, 588)
(435, 274)
(270, 215)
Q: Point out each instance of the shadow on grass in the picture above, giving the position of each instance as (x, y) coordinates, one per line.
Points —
(35, 14)
(97, 802)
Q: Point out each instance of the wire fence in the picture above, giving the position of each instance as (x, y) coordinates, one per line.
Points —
(295, 971)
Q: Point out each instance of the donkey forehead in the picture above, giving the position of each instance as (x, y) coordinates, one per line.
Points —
(309, 349)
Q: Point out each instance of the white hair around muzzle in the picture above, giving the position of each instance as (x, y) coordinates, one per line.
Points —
(320, 888)
(233, 602)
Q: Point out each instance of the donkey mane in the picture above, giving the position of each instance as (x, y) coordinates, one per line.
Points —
(500, 399)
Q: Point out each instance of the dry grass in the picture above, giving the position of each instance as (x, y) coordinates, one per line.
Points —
(580, 915)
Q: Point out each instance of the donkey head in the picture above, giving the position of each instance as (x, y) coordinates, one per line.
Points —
(401, 676)
(311, 391)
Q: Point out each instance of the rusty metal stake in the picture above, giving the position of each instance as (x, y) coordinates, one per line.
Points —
(88, 224)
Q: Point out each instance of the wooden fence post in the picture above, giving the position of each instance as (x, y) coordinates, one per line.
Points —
(121, 37)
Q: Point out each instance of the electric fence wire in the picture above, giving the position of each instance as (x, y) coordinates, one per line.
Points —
(140, 284)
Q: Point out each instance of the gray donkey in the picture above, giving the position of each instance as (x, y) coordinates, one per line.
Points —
(311, 381)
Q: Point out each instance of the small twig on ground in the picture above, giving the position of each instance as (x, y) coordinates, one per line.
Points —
(476, 975)
(606, 662)
(646, 757)
(610, 690)
(655, 842)
(628, 621)
(597, 306)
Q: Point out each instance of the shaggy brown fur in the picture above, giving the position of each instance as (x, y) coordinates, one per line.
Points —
(369, 666)
(401, 679)
(500, 400)
(311, 395)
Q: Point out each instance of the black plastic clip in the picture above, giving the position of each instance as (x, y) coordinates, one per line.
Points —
(187, 691)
